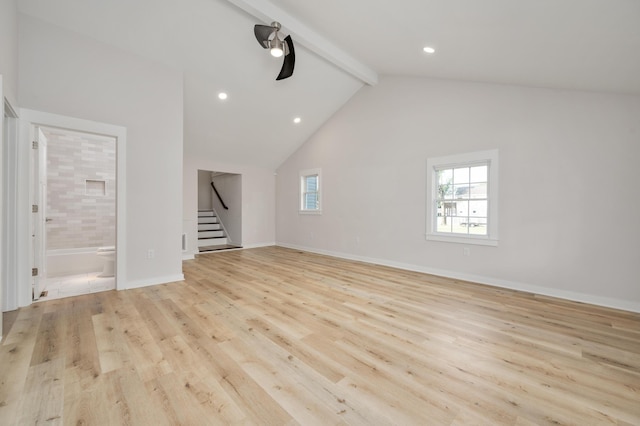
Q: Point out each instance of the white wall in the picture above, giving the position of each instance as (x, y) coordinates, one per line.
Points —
(258, 201)
(9, 49)
(65, 73)
(204, 190)
(568, 185)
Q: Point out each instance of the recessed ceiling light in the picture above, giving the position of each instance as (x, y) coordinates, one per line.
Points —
(297, 120)
(429, 49)
(222, 96)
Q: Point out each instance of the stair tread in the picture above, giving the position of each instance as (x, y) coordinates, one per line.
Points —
(206, 249)
(210, 230)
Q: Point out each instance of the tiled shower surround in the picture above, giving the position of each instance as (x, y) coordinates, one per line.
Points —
(81, 190)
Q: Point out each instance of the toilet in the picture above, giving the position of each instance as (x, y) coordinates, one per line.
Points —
(109, 256)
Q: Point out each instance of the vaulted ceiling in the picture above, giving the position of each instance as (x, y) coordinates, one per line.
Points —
(342, 45)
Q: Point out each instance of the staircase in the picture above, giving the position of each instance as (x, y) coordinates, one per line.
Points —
(211, 235)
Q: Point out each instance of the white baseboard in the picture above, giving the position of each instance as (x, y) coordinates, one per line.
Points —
(188, 256)
(625, 305)
(152, 281)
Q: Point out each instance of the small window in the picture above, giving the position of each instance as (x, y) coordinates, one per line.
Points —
(310, 191)
(462, 194)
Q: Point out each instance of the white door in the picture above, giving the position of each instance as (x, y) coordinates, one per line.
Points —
(39, 202)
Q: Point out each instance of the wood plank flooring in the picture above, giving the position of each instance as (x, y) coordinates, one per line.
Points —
(274, 336)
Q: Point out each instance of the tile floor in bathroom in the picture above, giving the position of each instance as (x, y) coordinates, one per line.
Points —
(75, 285)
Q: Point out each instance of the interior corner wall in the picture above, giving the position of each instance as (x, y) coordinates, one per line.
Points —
(9, 50)
(568, 184)
(65, 73)
(258, 201)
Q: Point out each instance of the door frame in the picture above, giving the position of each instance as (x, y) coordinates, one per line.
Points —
(38, 166)
(29, 121)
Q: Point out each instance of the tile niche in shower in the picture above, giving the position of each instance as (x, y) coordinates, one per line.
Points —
(96, 188)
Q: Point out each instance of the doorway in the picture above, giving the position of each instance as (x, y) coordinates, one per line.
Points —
(75, 191)
(219, 211)
(22, 220)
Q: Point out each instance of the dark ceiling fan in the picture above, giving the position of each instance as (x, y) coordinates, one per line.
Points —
(268, 38)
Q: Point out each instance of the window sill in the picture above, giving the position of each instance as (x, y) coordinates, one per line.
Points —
(481, 241)
(317, 212)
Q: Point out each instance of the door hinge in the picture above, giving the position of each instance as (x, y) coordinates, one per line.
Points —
(34, 272)
(34, 208)
(34, 145)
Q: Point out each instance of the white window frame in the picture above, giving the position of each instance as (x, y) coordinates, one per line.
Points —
(303, 175)
(491, 158)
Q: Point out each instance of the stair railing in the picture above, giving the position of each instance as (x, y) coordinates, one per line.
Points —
(219, 197)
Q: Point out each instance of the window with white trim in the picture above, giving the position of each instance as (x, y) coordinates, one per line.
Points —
(462, 198)
(310, 185)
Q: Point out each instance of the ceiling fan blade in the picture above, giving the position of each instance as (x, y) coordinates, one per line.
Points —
(262, 33)
(289, 60)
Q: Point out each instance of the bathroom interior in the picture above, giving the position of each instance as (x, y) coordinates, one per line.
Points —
(80, 214)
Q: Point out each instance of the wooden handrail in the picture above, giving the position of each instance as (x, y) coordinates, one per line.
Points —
(219, 197)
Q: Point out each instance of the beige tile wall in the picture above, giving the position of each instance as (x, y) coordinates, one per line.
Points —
(81, 190)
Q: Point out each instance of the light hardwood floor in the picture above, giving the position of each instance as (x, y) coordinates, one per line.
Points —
(273, 336)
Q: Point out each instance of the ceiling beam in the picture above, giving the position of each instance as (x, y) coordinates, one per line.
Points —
(267, 12)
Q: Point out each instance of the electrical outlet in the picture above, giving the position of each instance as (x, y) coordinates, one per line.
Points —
(466, 251)
(151, 253)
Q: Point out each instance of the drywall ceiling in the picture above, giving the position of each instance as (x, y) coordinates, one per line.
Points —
(572, 44)
(212, 42)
